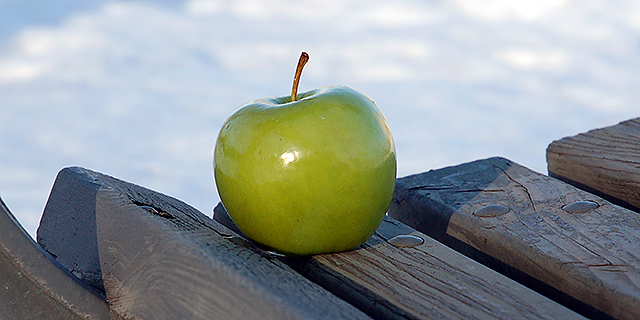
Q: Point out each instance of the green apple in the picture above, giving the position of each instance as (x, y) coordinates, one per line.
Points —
(309, 173)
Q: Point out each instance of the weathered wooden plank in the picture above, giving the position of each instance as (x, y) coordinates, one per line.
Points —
(156, 257)
(604, 161)
(499, 209)
(34, 286)
(423, 281)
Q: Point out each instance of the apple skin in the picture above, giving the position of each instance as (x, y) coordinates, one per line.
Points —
(310, 176)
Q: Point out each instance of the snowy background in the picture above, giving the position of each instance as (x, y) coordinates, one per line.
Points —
(139, 89)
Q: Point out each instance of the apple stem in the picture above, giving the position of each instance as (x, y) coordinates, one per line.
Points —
(304, 57)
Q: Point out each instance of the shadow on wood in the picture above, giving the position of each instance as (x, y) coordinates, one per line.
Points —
(591, 255)
(422, 280)
(34, 286)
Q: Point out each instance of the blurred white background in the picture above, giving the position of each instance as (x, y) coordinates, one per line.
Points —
(139, 89)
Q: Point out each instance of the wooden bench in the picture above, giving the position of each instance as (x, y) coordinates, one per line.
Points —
(34, 286)
(603, 161)
(488, 239)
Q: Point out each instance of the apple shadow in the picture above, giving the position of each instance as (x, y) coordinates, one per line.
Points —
(343, 287)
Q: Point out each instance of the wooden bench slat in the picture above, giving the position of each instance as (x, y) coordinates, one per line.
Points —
(427, 281)
(33, 286)
(592, 256)
(158, 258)
(604, 161)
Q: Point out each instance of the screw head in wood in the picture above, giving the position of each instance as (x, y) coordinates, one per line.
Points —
(493, 210)
(580, 206)
(405, 240)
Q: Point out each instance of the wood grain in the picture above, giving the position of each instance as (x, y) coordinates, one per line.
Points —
(427, 281)
(159, 258)
(591, 256)
(605, 161)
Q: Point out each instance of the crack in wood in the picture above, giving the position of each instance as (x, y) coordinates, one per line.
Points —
(526, 190)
